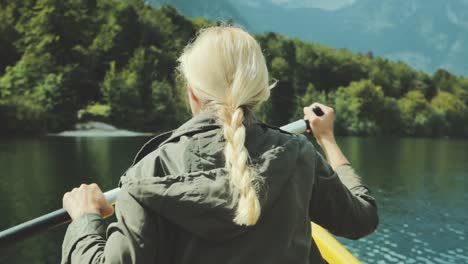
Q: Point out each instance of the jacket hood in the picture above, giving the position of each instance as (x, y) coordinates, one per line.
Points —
(199, 201)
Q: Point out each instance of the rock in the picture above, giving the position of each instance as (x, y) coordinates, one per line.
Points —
(99, 129)
(95, 125)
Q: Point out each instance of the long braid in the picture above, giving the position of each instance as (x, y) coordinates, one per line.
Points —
(225, 68)
(242, 177)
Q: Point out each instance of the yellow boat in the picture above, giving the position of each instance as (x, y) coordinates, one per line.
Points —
(330, 248)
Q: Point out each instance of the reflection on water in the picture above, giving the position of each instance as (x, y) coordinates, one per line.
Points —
(420, 185)
(36, 172)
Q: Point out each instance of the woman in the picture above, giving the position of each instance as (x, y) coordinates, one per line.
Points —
(223, 188)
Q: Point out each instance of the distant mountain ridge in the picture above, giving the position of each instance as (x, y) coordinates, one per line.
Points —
(427, 34)
(213, 10)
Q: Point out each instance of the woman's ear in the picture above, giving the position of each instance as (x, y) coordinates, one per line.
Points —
(192, 95)
(193, 101)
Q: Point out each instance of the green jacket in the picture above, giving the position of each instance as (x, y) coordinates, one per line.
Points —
(174, 207)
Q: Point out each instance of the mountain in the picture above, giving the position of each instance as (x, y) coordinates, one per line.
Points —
(213, 10)
(427, 34)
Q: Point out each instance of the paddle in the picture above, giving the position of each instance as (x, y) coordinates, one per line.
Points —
(61, 217)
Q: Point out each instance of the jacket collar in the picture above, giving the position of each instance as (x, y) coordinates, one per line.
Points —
(204, 121)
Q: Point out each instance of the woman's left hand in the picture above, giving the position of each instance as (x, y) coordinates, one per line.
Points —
(87, 199)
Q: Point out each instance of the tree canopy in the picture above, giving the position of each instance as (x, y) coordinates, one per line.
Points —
(114, 60)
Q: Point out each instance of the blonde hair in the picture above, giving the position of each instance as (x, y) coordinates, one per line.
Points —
(225, 68)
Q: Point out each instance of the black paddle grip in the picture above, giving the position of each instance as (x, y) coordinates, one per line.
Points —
(318, 112)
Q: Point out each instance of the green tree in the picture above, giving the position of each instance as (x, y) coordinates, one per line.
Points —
(358, 108)
(454, 112)
(310, 96)
(281, 105)
(418, 118)
(136, 96)
(9, 10)
(32, 85)
(328, 68)
(444, 80)
(394, 78)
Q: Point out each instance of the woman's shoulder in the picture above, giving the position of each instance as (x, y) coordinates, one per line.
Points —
(277, 136)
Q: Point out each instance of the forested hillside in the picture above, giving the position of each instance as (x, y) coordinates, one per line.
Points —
(114, 60)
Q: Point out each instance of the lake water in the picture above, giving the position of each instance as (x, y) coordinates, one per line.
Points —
(421, 186)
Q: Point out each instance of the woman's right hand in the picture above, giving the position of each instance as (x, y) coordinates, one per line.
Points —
(322, 126)
(322, 129)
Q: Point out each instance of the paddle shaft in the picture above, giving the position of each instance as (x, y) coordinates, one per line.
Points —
(42, 223)
(61, 217)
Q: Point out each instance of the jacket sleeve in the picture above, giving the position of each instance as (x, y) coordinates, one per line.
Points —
(130, 240)
(339, 202)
